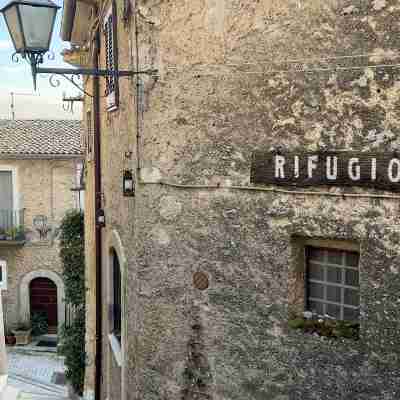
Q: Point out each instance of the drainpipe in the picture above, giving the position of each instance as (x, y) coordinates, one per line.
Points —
(98, 205)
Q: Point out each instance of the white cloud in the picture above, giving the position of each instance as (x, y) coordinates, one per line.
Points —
(37, 107)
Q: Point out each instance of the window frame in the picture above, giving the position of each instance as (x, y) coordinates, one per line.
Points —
(116, 321)
(325, 265)
(14, 179)
(112, 97)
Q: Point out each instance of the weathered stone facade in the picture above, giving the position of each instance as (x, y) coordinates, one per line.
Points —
(236, 77)
(43, 187)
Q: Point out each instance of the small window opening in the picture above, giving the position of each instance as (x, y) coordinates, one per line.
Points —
(332, 281)
(117, 310)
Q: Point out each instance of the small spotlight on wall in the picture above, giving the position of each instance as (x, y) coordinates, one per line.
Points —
(128, 184)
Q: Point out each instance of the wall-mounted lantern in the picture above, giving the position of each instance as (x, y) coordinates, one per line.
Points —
(31, 25)
(101, 218)
(128, 184)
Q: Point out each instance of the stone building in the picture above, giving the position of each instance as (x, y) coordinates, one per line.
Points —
(39, 163)
(203, 276)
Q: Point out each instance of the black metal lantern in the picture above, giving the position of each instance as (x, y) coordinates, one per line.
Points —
(128, 184)
(101, 218)
(31, 24)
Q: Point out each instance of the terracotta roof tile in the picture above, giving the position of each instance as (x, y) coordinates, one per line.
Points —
(40, 137)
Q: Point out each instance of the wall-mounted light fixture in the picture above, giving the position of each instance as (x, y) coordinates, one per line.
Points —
(128, 183)
(31, 24)
(101, 218)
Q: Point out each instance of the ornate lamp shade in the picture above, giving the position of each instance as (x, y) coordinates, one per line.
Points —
(31, 24)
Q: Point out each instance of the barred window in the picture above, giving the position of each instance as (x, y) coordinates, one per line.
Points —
(333, 283)
(111, 57)
(116, 326)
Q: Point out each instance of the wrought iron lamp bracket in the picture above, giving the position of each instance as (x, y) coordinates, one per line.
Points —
(36, 58)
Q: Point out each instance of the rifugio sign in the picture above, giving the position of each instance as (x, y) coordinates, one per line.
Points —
(381, 171)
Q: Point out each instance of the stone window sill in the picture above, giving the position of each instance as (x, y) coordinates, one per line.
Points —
(116, 349)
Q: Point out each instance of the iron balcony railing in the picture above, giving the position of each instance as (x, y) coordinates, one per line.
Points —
(12, 225)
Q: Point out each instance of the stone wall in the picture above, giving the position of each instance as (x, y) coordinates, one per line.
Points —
(235, 77)
(43, 188)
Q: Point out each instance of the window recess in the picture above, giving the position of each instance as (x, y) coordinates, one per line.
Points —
(332, 283)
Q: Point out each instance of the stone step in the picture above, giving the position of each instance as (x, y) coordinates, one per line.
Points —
(9, 393)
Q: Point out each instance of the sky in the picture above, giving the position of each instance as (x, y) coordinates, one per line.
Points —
(46, 102)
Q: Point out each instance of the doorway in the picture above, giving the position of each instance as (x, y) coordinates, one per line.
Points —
(43, 299)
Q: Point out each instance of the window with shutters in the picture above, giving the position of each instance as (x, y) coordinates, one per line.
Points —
(89, 143)
(111, 57)
(7, 206)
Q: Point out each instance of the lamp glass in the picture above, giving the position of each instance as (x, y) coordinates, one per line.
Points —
(11, 17)
(37, 25)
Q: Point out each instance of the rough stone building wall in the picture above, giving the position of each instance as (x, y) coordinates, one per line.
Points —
(90, 252)
(232, 81)
(43, 188)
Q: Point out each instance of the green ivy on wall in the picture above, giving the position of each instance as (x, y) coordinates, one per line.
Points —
(72, 253)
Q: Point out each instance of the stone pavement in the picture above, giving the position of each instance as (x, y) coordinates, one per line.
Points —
(33, 374)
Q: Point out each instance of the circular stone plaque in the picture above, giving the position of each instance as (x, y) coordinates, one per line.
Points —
(200, 280)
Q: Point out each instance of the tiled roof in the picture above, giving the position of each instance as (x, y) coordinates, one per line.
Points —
(40, 137)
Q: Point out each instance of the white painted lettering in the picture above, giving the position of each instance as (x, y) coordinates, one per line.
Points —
(311, 165)
(354, 169)
(373, 169)
(296, 166)
(279, 164)
(394, 176)
(331, 170)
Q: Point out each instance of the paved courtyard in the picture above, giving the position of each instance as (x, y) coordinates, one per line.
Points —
(33, 373)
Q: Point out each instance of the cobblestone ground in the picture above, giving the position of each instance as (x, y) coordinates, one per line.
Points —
(32, 373)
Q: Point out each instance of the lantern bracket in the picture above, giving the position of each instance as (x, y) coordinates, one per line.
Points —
(36, 59)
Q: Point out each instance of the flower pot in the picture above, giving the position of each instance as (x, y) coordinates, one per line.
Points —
(22, 337)
(10, 340)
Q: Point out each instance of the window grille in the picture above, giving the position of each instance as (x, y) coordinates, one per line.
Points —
(333, 283)
(111, 56)
(117, 310)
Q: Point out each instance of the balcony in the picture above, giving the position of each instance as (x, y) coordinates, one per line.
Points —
(12, 229)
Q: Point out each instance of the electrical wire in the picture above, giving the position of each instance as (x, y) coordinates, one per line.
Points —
(287, 71)
(271, 190)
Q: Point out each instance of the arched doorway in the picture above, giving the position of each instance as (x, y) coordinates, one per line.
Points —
(43, 300)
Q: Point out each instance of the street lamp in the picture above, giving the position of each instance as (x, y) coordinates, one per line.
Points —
(31, 24)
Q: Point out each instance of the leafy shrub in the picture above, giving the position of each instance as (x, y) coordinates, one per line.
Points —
(39, 323)
(327, 327)
(73, 336)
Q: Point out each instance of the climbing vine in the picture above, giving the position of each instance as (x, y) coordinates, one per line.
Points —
(73, 260)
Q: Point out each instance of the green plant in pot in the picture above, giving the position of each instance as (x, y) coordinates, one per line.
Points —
(10, 338)
(39, 322)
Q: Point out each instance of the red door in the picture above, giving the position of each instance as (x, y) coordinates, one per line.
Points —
(43, 296)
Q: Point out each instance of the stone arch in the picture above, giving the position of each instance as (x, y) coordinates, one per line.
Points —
(24, 297)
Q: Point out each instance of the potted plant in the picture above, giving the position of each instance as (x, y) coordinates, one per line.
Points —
(10, 338)
(22, 334)
(3, 235)
(39, 323)
(10, 233)
(20, 233)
